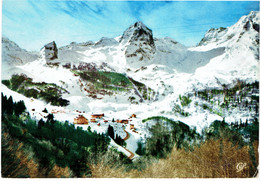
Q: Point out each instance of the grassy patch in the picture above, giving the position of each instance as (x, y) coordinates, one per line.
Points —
(51, 93)
(113, 81)
(157, 118)
(106, 80)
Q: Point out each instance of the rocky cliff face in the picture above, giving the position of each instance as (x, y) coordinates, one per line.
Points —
(139, 42)
(50, 51)
(213, 35)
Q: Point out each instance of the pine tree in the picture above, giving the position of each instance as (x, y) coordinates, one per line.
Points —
(45, 110)
(19, 108)
(4, 103)
(50, 118)
(9, 106)
(246, 123)
(110, 131)
(40, 124)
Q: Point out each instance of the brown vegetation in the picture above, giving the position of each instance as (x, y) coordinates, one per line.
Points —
(213, 159)
(19, 163)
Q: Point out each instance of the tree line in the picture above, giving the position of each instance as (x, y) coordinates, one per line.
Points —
(50, 142)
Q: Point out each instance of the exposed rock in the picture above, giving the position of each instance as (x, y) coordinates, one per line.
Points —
(50, 51)
(139, 41)
(212, 35)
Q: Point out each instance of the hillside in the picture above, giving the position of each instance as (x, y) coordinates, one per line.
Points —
(136, 82)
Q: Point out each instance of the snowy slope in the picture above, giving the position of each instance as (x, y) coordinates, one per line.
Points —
(241, 57)
(169, 68)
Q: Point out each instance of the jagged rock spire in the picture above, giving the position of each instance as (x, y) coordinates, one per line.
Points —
(50, 51)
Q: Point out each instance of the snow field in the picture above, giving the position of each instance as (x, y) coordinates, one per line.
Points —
(173, 70)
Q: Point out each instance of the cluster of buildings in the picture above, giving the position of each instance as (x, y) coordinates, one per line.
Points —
(80, 119)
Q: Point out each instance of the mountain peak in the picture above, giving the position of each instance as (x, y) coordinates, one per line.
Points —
(250, 21)
(140, 24)
(137, 31)
(253, 14)
(248, 24)
(12, 54)
(139, 41)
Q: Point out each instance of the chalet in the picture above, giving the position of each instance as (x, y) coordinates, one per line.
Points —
(133, 116)
(132, 126)
(80, 120)
(97, 115)
(105, 121)
(125, 121)
(98, 124)
(93, 120)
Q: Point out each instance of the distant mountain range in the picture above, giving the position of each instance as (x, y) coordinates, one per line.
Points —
(148, 74)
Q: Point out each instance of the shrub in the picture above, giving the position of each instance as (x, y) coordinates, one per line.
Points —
(205, 106)
(164, 138)
(140, 148)
(185, 101)
(212, 159)
(6, 82)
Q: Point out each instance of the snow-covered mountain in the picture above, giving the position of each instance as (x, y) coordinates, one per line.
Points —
(241, 56)
(152, 74)
(246, 25)
(139, 42)
(13, 55)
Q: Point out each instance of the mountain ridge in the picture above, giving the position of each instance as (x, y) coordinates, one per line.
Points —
(162, 77)
(138, 48)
